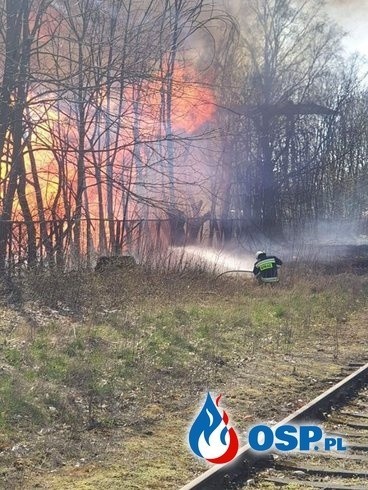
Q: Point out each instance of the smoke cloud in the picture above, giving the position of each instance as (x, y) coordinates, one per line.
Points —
(351, 15)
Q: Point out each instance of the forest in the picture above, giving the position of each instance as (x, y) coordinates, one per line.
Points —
(125, 121)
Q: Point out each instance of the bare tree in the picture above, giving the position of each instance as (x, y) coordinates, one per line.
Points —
(287, 47)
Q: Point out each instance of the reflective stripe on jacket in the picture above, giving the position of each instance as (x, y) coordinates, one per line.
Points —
(266, 267)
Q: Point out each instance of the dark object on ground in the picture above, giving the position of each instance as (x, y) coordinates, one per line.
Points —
(115, 262)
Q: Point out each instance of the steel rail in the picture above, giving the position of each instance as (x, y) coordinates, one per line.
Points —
(242, 467)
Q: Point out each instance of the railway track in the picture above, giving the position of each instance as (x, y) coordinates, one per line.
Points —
(327, 470)
(343, 412)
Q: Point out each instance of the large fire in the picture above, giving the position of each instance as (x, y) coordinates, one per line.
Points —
(133, 144)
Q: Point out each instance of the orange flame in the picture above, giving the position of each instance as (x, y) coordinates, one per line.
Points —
(192, 108)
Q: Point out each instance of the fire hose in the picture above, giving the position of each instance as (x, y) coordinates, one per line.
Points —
(228, 272)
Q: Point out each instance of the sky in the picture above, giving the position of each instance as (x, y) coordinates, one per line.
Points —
(352, 15)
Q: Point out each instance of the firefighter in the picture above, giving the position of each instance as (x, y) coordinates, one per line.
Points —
(265, 268)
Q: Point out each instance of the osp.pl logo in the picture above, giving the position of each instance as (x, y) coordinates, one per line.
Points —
(211, 437)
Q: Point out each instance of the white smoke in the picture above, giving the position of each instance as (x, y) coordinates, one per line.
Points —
(352, 16)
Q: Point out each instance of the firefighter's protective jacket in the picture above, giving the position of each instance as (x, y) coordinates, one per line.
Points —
(266, 268)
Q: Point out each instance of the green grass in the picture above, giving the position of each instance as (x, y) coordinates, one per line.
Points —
(18, 405)
(132, 357)
(12, 356)
(109, 350)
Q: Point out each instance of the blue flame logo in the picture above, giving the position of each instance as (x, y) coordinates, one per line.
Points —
(210, 437)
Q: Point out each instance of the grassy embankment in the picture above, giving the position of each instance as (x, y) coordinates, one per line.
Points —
(101, 375)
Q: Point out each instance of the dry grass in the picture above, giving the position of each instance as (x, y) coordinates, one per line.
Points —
(102, 374)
